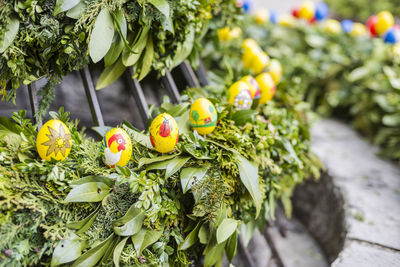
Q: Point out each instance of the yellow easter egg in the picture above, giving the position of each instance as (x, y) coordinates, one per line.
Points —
(358, 29)
(250, 44)
(307, 10)
(249, 55)
(275, 69)
(239, 95)
(235, 33)
(223, 34)
(286, 20)
(253, 85)
(332, 26)
(116, 148)
(267, 87)
(164, 133)
(384, 22)
(261, 16)
(54, 141)
(260, 62)
(203, 116)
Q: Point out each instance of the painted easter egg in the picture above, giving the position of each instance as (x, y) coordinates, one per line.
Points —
(267, 87)
(273, 17)
(275, 69)
(261, 16)
(260, 62)
(392, 36)
(249, 44)
(239, 95)
(321, 11)
(164, 133)
(332, 26)
(116, 148)
(347, 25)
(223, 34)
(295, 12)
(384, 22)
(307, 10)
(286, 20)
(203, 116)
(358, 29)
(371, 22)
(249, 54)
(54, 141)
(253, 86)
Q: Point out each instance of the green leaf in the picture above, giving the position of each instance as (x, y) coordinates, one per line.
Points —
(120, 20)
(191, 238)
(184, 50)
(88, 192)
(226, 229)
(162, 6)
(188, 175)
(249, 176)
(247, 231)
(147, 59)
(231, 246)
(110, 74)
(77, 11)
(240, 117)
(288, 146)
(392, 120)
(138, 137)
(204, 234)
(175, 110)
(93, 255)
(129, 58)
(146, 161)
(101, 130)
(109, 251)
(64, 5)
(214, 255)
(183, 123)
(174, 165)
(67, 250)
(10, 34)
(9, 130)
(83, 225)
(118, 250)
(114, 52)
(94, 178)
(161, 165)
(101, 36)
(145, 238)
(130, 223)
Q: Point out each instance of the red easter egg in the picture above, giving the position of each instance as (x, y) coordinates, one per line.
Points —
(295, 12)
(371, 22)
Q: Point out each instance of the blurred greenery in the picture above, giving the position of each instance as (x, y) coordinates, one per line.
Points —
(357, 79)
(360, 10)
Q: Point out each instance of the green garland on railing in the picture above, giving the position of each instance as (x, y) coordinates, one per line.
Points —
(50, 38)
(248, 162)
(355, 78)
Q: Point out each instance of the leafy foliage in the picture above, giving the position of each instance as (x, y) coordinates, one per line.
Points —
(356, 79)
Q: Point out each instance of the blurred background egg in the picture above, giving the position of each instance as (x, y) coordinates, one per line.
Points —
(253, 86)
(347, 25)
(321, 11)
(371, 22)
(164, 133)
(203, 116)
(116, 148)
(384, 22)
(267, 87)
(54, 141)
(307, 10)
(239, 95)
(275, 69)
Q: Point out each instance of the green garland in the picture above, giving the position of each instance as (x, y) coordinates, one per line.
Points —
(354, 78)
(49, 38)
(159, 210)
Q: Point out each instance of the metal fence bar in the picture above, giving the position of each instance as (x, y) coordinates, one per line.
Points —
(138, 95)
(202, 74)
(244, 254)
(170, 85)
(34, 104)
(91, 97)
(189, 74)
(275, 253)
